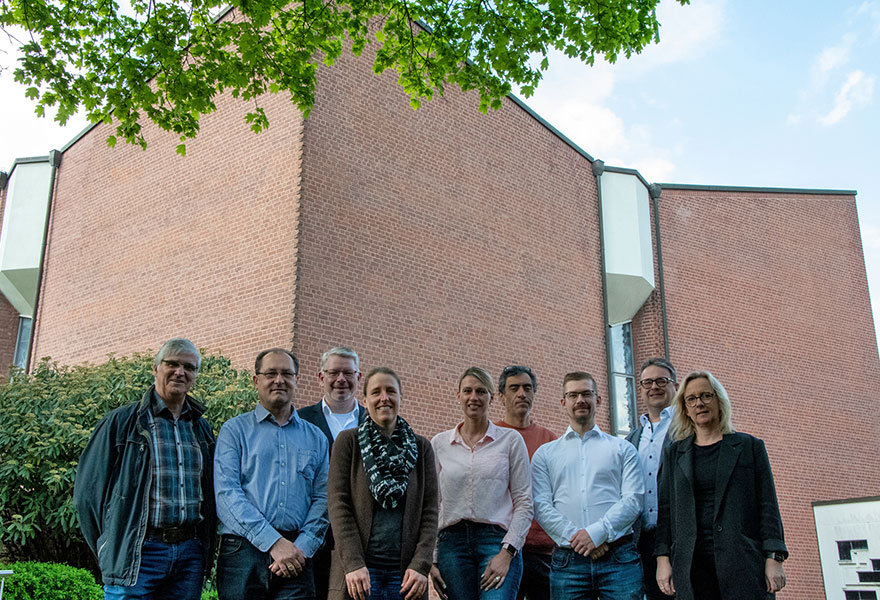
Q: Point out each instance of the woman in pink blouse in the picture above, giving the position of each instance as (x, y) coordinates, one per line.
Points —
(485, 500)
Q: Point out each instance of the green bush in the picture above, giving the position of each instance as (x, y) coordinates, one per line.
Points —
(46, 418)
(49, 581)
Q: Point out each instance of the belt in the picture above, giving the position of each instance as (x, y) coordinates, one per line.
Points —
(172, 535)
(627, 539)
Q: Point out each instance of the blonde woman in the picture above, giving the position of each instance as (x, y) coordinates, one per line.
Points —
(485, 500)
(719, 532)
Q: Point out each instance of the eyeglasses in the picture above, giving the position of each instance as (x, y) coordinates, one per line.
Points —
(586, 395)
(705, 398)
(336, 373)
(270, 375)
(660, 381)
(174, 365)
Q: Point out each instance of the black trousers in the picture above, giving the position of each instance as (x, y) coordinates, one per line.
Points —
(649, 565)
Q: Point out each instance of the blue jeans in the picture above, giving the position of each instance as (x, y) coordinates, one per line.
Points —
(243, 574)
(615, 576)
(168, 571)
(385, 585)
(463, 553)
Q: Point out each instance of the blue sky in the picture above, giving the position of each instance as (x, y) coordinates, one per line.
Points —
(738, 92)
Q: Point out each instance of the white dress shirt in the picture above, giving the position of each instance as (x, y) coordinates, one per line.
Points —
(338, 422)
(593, 483)
(650, 452)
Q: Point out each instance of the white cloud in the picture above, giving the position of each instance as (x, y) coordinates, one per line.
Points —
(871, 10)
(856, 92)
(834, 57)
(684, 31)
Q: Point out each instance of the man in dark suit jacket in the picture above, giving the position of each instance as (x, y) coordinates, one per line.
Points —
(337, 411)
(657, 383)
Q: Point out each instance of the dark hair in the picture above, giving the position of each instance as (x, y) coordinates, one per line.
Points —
(658, 361)
(513, 371)
(384, 371)
(579, 376)
(259, 361)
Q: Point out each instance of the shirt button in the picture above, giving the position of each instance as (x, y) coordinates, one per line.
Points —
(719, 528)
(282, 483)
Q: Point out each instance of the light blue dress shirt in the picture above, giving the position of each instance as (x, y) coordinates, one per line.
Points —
(269, 479)
(650, 452)
(593, 483)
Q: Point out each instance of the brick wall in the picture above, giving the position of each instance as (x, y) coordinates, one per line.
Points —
(769, 292)
(441, 238)
(147, 245)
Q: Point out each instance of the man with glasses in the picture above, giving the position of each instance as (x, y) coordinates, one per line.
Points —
(270, 479)
(588, 491)
(337, 411)
(658, 385)
(144, 487)
(517, 386)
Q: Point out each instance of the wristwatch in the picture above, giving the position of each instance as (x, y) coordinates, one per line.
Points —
(510, 549)
(777, 556)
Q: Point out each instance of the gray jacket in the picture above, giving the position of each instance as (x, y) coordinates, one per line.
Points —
(112, 489)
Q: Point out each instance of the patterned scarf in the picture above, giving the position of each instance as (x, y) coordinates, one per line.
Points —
(387, 462)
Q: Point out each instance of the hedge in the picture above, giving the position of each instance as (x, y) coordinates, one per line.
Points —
(46, 418)
(49, 581)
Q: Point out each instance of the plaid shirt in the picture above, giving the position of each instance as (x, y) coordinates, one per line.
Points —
(176, 490)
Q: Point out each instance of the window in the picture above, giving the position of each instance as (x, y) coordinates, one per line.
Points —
(23, 342)
(623, 380)
(860, 595)
(845, 548)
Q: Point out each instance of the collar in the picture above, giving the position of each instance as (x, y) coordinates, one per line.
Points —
(262, 413)
(158, 406)
(594, 432)
(491, 434)
(665, 414)
(325, 408)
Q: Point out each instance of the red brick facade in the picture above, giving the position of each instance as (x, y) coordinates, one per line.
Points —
(436, 239)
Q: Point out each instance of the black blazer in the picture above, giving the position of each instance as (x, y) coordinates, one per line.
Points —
(747, 521)
(315, 415)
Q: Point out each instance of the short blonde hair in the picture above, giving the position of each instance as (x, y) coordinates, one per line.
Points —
(482, 376)
(682, 426)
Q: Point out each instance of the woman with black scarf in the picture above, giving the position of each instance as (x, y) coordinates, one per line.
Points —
(382, 500)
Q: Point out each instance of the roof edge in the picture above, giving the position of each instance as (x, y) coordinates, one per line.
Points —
(740, 188)
(844, 501)
(553, 130)
(628, 171)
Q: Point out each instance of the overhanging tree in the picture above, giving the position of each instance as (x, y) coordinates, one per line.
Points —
(168, 59)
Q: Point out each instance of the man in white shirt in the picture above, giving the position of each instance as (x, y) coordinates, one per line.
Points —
(337, 411)
(658, 385)
(588, 491)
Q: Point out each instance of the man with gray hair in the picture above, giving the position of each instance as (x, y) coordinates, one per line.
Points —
(337, 411)
(144, 487)
(658, 384)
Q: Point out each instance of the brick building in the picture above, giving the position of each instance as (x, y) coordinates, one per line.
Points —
(435, 239)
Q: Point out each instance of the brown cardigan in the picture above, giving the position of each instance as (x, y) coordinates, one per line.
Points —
(350, 505)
